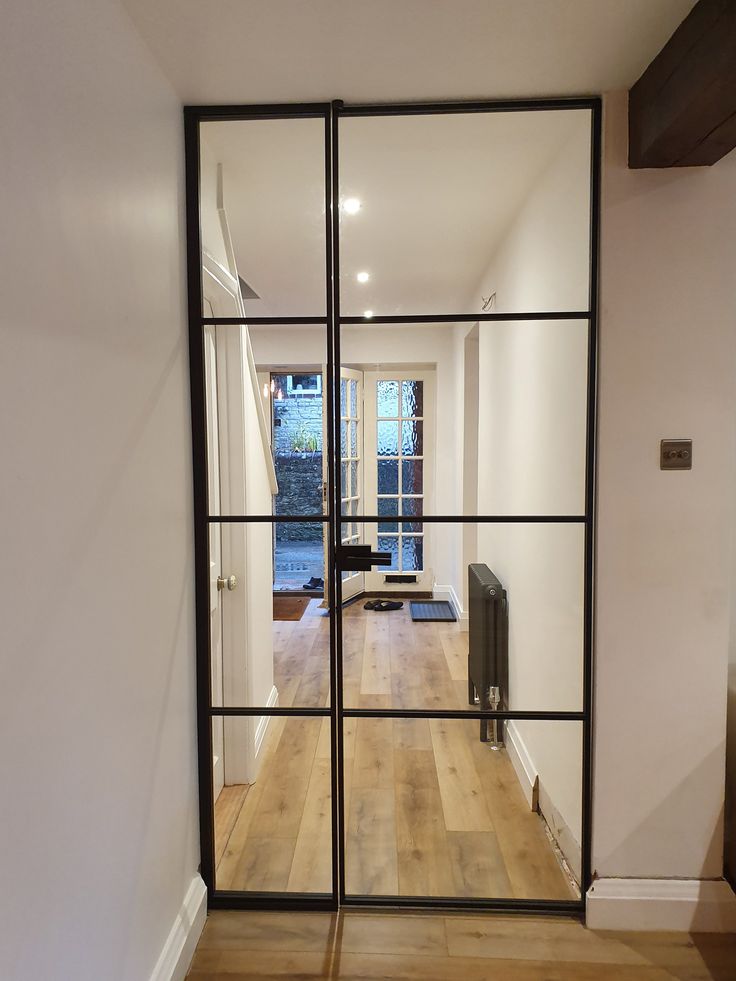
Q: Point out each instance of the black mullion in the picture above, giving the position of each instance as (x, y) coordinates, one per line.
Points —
(331, 571)
(590, 497)
(201, 503)
(336, 607)
(470, 318)
(463, 519)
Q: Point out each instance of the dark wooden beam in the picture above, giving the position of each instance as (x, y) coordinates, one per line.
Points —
(682, 111)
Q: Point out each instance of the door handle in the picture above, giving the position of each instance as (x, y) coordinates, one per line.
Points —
(359, 558)
(231, 582)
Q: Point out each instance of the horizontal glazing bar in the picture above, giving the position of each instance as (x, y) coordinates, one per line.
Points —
(471, 318)
(274, 519)
(360, 713)
(468, 519)
(425, 519)
(438, 108)
(263, 321)
(220, 710)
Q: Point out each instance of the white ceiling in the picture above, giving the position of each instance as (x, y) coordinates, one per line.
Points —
(387, 50)
(437, 192)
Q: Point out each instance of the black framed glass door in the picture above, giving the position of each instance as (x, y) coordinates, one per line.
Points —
(403, 255)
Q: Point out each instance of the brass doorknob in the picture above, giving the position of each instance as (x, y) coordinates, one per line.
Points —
(231, 582)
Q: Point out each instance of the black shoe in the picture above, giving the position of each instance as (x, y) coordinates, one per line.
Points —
(385, 605)
(314, 583)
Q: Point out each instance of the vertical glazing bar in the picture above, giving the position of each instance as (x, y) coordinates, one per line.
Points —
(590, 498)
(336, 607)
(201, 505)
(335, 725)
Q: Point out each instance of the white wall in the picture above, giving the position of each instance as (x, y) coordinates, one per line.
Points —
(664, 577)
(97, 729)
(531, 460)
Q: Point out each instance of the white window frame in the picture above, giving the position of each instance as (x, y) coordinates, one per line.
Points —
(376, 579)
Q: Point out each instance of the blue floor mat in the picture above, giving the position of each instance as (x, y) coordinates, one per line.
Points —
(432, 611)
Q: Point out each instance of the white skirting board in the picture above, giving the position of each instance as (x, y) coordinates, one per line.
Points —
(178, 951)
(448, 593)
(691, 905)
(525, 770)
(271, 702)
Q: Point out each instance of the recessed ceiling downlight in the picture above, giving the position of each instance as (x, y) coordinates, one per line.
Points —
(351, 206)
(368, 314)
(363, 277)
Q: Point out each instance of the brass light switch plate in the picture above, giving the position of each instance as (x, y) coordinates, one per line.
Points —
(676, 454)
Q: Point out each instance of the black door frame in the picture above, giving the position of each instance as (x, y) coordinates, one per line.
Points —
(331, 113)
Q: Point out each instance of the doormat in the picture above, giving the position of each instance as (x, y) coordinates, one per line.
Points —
(289, 607)
(432, 611)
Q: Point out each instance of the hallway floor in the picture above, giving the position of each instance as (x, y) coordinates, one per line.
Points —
(430, 810)
(432, 947)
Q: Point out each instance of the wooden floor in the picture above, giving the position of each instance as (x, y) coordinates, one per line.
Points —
(432, 947)
(430, 810)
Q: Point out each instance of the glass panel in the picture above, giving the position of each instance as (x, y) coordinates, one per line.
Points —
(274, 834)
(272, 179)
(412, 398)
(388, 438)
(412, 476)
(389, 543)
(412, 506)
(354, 399)
(412, 437)
(343, 397)
(454, 236)
(431, 810)
(343, 439)
(354, 439)
(526, 640)
(388, 505)
(412, 553)
(388, 476)
(504, 430)
(354, 478)
(268, 432)
(388, 398)
(345, 486)
(269, 636)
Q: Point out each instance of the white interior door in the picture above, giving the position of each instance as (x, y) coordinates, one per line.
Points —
(351, 471)
(213, 472)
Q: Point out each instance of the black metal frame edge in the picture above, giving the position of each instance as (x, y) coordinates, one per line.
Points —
(285, 901)
(193, 116)
(453, 904)
(201, 504)
(472, 105)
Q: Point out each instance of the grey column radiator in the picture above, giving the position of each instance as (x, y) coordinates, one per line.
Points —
(488, 645)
